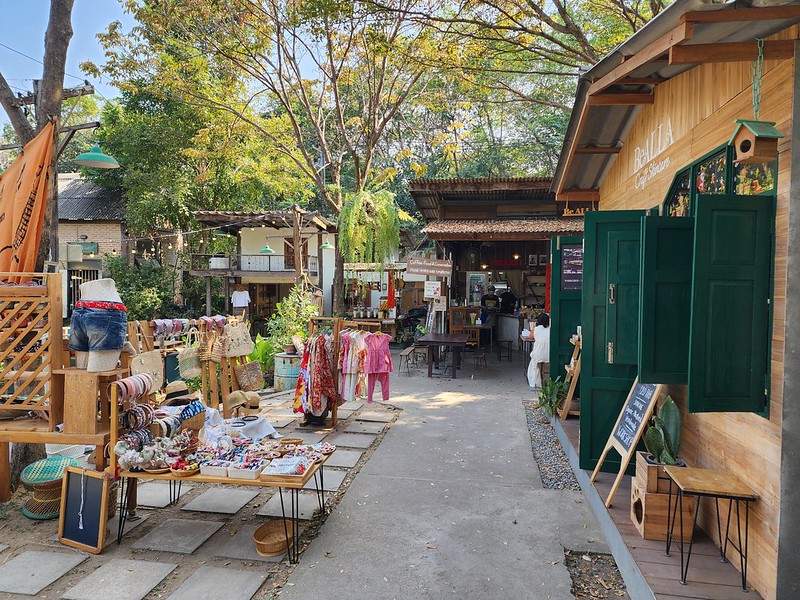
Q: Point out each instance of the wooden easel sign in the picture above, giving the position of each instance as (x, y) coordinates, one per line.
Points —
(84, 509)
(628, 429)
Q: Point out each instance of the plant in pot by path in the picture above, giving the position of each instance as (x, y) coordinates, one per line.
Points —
(663, 436)
(552, 395)
(405, 337)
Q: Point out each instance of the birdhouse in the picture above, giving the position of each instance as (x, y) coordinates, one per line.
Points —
(755, 142)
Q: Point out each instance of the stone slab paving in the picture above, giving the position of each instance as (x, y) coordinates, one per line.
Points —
(113, 527)
(221, 500)
(156, 494)
(379, 417)
(351, 405)
(308, 505)
(30, 572)
(365, 427)
(121, 580)
(281, 422)
(333, 479)
(212, 583)
(343, 458)
(3, 547)
(311, 438)
(344, 414)
(352, 440)
(183, 536)
(242, 547)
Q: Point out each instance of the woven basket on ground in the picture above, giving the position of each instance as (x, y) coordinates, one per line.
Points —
(270, 538)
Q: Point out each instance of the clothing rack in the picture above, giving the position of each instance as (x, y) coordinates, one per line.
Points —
(336, 328)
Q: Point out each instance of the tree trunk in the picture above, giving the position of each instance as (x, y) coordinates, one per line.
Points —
(22, 455)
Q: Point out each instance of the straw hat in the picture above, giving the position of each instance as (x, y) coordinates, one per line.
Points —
(178, 394)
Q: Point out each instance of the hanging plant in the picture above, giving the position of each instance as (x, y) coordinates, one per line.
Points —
(369, 227)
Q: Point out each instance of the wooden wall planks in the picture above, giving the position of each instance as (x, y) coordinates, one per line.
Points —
(701, 106)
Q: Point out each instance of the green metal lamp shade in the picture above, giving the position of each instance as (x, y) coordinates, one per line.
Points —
(326, 245)
(266, 250)
(96, 159)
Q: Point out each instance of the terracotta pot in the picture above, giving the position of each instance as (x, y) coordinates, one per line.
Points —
(290, 349)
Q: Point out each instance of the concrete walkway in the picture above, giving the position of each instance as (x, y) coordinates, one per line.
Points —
(451, 504)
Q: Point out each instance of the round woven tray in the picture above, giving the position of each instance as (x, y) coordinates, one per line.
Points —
(184, 473)
(46, 470)
(270, 538)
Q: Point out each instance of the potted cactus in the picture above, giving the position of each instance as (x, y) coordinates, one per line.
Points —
(663, 436)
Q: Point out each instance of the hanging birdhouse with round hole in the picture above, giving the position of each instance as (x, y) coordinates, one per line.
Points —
(755, 142)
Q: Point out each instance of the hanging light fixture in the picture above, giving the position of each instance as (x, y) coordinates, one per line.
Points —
(96, 159)
(326, 245)
(516, 256)
(266, 250)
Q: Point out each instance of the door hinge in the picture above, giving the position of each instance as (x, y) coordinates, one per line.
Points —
(611, 289)
(768, 302)
(558, 243)
(611, 353)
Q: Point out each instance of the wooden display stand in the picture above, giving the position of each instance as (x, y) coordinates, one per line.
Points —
(650, 510)
(31, 352)
(573, 376)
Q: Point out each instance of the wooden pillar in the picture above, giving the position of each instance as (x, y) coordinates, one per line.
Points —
(208, 296)
(5, 472)
(297, 241)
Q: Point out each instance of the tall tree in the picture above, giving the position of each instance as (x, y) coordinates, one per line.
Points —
(48, 106)
(339, 71)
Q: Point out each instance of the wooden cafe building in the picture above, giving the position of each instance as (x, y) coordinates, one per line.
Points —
(683, 136)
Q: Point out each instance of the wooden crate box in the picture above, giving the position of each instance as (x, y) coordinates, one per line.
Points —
(649, 513)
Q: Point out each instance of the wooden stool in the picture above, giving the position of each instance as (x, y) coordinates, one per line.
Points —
(504, 347)
(480, 355)
(405, 355)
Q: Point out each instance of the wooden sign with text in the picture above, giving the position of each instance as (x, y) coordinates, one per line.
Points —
(429, 266)
(628, 429)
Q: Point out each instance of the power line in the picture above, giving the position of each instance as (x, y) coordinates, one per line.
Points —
(38, 61)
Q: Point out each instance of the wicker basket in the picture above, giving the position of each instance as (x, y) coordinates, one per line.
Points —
(184, 472)
(270, 538)
(290, 440)
(195, 423)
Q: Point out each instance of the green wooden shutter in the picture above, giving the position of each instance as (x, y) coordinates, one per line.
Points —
(730, 311)
(604, 386)
(622, 317)
(565, 307)
(666, 295)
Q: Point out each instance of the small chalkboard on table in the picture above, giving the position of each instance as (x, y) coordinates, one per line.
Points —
(84, 509)
(628, 429)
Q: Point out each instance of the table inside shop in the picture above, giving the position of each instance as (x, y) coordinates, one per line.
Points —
(483, 327)
(455, 341)
(293, 483)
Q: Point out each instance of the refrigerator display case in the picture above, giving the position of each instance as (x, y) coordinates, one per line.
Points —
(477, 282)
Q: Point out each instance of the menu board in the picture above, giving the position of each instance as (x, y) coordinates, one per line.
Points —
(571, 266)
(635, 412)
(629, 427)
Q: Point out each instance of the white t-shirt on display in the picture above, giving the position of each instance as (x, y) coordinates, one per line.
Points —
(240, 299)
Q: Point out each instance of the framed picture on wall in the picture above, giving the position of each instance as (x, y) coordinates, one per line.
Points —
(543, 260)
(533, 260)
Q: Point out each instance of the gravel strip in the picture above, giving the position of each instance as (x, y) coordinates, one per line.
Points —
(554, 467)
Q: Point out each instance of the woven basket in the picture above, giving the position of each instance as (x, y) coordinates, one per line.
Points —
(183, 473)
(195, 423)
(42, 510)
(249, 376)
(270, 538)
(46, 470)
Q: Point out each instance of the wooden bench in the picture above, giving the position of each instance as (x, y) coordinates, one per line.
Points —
(405, 354)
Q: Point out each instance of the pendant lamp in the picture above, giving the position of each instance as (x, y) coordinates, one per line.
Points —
(326, 245)
(96, 159)
(266, 250)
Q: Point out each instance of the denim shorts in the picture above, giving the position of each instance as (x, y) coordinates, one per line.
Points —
(93, 329)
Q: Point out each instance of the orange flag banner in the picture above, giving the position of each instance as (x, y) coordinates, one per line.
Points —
(23, 195)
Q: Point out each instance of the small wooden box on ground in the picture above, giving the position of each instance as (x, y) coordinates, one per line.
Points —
(651, 477)
(649, 513)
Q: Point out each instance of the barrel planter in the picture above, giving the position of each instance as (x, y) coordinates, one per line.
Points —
(287, 369)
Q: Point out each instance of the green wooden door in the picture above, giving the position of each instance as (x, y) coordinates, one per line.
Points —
(604, 386)
(565, 299)
(666, 286)
(622, 316)
(730, 312)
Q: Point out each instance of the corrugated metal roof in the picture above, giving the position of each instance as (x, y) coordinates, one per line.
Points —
(81, 200)
(607, 126)
(499, 227)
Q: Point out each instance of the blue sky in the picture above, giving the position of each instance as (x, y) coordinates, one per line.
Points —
(23, 26)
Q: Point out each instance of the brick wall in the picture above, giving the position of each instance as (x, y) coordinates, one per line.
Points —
(108, 235)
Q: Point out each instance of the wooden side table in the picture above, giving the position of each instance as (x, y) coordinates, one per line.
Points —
(707, 483)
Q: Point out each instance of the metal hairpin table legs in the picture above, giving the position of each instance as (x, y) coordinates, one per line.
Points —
(293, 537)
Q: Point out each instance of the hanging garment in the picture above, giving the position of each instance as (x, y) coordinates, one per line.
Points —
(378, 364)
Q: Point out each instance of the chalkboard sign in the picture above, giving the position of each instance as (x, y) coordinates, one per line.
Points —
(635, 414)
(84, 505)
(629, 427)
(571, 266)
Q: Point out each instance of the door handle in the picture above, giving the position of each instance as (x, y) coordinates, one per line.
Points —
(611, 353)
(612, 288)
